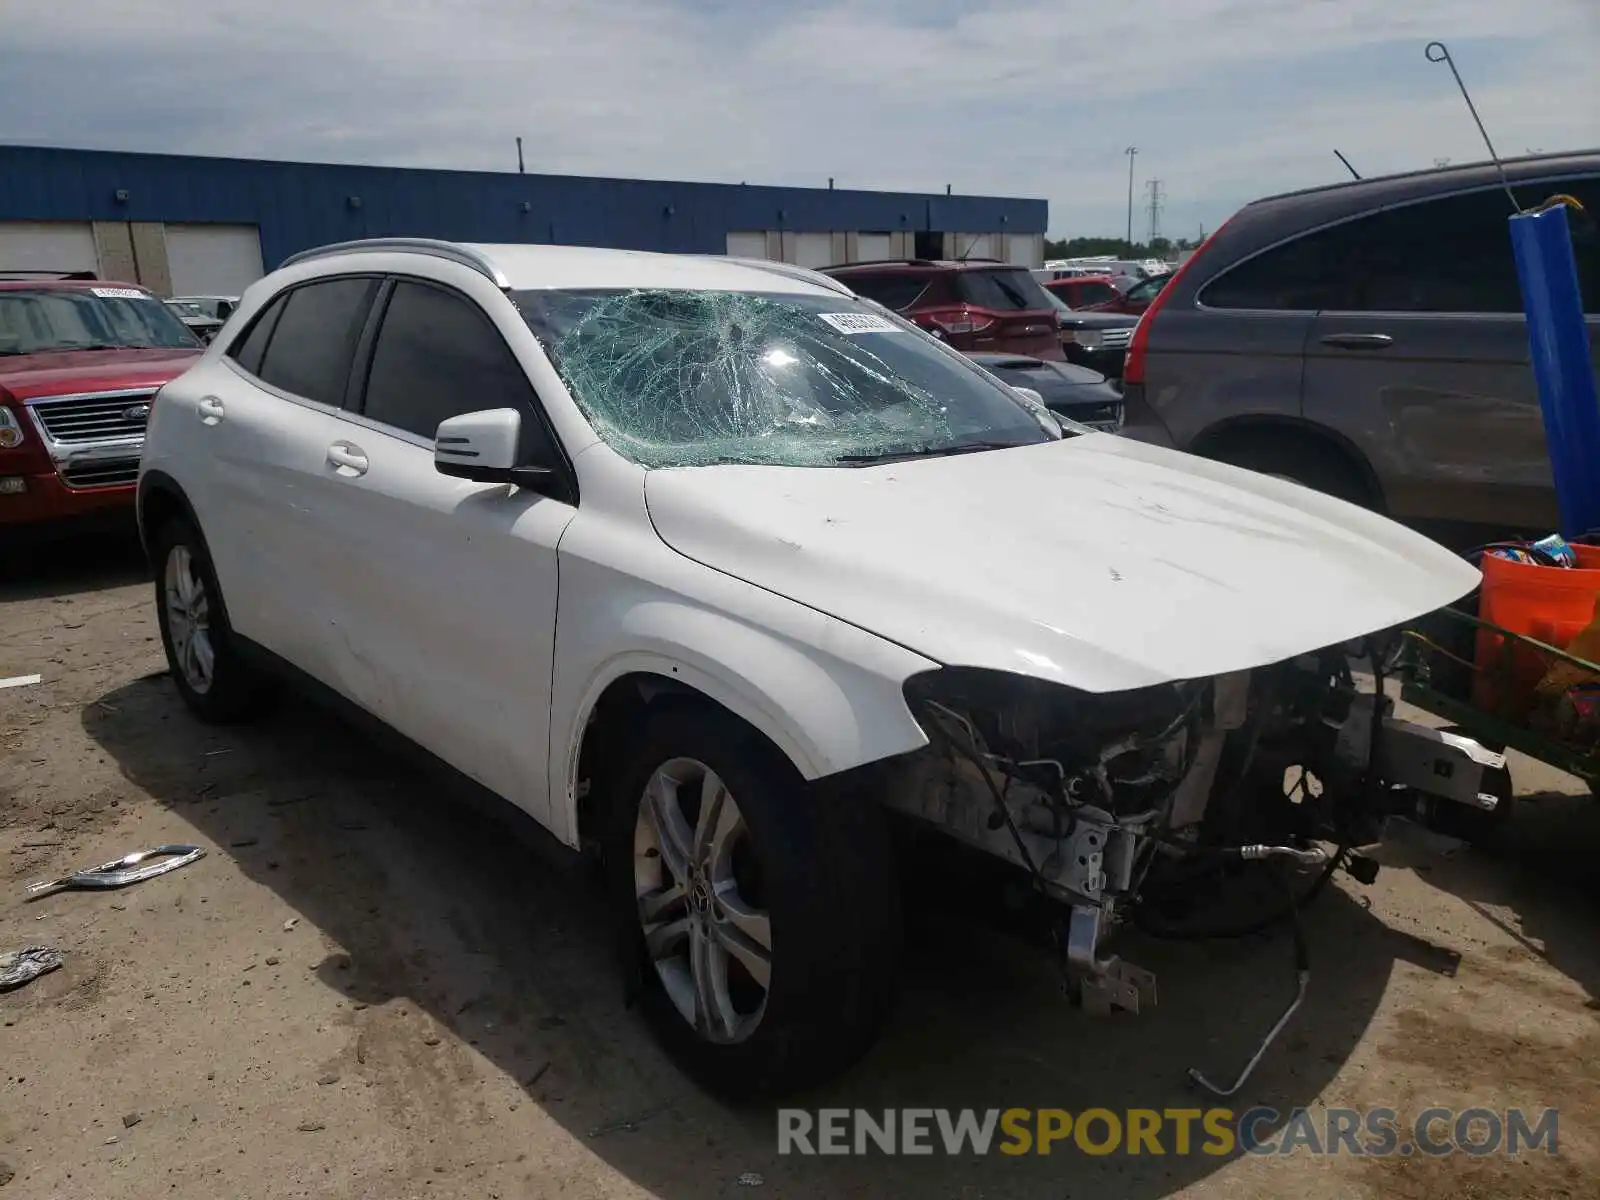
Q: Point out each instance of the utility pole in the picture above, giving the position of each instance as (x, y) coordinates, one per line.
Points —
(1131, 152)
(1157, 199)
(519, 156)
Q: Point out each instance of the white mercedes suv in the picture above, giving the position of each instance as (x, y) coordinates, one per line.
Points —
(720, 571)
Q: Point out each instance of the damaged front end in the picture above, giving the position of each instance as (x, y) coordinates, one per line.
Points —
(1120, 801)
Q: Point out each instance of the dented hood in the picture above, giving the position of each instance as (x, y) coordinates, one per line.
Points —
(1097, 562)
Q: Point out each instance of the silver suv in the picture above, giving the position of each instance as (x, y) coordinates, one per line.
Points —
(1367, 339)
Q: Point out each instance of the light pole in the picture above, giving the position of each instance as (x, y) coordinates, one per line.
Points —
(1131, 152)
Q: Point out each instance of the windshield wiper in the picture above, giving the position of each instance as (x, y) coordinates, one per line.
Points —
(910, 452)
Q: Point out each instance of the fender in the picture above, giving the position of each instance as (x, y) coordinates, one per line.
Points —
(829, 701)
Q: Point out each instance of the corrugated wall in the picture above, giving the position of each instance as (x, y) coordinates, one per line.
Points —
(298, 205)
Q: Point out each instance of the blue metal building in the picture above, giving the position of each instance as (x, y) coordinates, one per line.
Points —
(162, 215)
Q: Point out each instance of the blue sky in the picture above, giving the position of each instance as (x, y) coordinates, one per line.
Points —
(1226, 99)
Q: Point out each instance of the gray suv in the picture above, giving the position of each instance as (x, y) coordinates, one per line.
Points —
(1367, 339)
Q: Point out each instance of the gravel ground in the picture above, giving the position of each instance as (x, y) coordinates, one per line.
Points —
(366, 988)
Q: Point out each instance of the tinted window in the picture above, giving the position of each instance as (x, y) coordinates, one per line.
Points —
(1001, 291)
(1585, 237)
(247, 350)
(437, 356)
(1146, 291)
(1446, 255)
(310, 349)
(892, 291)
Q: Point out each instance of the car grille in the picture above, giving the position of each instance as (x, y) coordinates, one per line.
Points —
(74, 420)
(105, 472)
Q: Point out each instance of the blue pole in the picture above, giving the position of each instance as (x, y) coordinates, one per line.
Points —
(1558, 341)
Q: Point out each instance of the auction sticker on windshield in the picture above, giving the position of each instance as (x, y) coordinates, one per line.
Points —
(855, 322)
(120, 293)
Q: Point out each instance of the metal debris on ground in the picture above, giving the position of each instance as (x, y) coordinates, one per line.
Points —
(751, 1179)
(18, 967)
(628, 1124)
(131, 868)
(20, 681)
(290, 924)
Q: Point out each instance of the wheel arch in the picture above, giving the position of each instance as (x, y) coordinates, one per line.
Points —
(160, 498)
(1260, 426)
(820, 722)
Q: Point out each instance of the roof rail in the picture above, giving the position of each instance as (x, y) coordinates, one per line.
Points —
(885, 262)
(791, 271)
(8, 274)
(453, 251)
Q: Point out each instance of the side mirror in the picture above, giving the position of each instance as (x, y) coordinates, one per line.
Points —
(483, 447)
(1040, 411)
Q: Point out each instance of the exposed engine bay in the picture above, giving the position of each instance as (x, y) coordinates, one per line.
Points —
(1117, 803)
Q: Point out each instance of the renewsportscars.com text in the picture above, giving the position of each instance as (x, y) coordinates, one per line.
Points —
(1361, 1132)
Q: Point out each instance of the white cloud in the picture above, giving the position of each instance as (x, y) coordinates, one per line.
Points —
(1227, 99)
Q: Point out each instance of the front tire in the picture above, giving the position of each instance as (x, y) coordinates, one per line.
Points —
(203, 657)
(759, 917)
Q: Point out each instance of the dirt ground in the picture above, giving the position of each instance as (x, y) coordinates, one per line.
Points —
(368, 987)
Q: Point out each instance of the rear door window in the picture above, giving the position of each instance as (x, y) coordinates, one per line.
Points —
(896, 291)
(1449, 255)
(1001, 291)
(247, 351)
(314, 341)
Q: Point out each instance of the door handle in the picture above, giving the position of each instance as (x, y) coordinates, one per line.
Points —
(1358, 341)
(210, 410)
(347, 458)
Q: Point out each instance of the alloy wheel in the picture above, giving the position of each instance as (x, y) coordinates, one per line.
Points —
(189, 620)
(700, 901)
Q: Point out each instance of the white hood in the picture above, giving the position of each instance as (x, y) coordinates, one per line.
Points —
(1097, 562)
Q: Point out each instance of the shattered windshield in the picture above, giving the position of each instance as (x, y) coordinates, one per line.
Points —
(675, 378)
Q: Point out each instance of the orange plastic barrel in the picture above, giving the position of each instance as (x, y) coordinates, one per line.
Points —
(1549, 604)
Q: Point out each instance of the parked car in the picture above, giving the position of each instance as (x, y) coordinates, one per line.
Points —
(715, 567)
(80, 360)
(1083, 291)
(1097, 340)
(1367, 339)
(976, 305)
(202, 324)
(220, 307)
(1133, 299)
(1074, 392)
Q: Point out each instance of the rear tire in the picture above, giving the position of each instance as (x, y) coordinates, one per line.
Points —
(759, 917)
(1300, 460)
(203, 657)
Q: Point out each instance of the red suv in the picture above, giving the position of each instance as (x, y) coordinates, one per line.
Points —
(1137, 298)
(1084, 291)
(80, 361)
(979, 306)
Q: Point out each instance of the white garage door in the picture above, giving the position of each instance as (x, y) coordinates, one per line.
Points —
(213, 260)
(1025, 249)
(747, 245)
(874, 247)
(975, 245)
(813, 249)
(47, 246)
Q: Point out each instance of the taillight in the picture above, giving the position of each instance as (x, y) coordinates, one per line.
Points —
(1133, 361)
(960, 320)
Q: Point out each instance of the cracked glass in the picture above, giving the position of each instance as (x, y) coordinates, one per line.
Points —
(677, 378)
